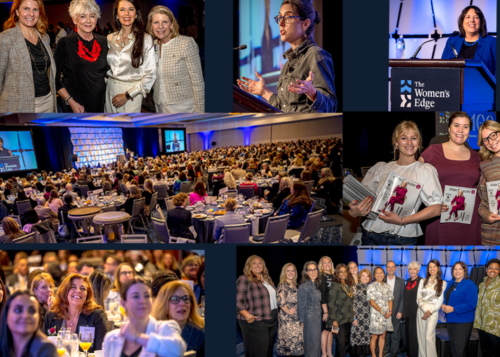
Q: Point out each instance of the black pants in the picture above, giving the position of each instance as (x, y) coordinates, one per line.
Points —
(490, 344)
(459, 338)
(259, 336)
(392, 338)
(343, 339)
(411, 335)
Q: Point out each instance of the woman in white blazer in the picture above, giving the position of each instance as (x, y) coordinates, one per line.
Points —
(180, 87)
(143, 335)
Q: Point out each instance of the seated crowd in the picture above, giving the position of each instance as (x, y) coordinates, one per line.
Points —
(154, 298)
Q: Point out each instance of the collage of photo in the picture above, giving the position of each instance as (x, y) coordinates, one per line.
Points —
(359, 210)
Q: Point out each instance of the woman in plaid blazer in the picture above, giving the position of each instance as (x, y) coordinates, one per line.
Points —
(27, 68)
(180, 87)
(256, 308)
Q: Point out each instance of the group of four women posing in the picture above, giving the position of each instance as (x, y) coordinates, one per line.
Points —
(92, 73)
(357, 308)
(452, 163)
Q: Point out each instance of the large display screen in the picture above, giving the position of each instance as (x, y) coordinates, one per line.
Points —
(174, 140)
(16, 151)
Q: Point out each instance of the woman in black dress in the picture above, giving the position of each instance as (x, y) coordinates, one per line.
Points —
(326, 275)
(410, 308)
(81, 60)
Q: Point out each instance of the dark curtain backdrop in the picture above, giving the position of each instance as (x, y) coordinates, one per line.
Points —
(368, 136)
(142, 141)
(53, 147)
(277, 257)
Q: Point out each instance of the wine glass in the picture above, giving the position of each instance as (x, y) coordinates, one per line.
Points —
(61, 349)
(85, 342)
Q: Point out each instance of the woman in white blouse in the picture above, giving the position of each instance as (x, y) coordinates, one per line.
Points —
(143, 335)
(430, 297)
(131, 60)
(180, 87)
(389, 228)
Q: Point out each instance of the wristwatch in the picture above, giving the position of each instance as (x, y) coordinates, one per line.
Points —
(128, 96)
(67, 100)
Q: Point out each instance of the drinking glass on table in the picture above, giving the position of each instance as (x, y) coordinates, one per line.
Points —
(61, 349)
(72, 343)
(85, 342)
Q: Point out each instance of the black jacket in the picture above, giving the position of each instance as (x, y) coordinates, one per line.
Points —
(178, 222)
(96, 319)
(280, 197)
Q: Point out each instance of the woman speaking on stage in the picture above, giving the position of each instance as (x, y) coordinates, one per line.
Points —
(306, 82)
(473, 41)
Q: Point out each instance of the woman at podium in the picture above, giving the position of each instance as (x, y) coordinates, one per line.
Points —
(306, 80)
(4, 151)
(473, 41)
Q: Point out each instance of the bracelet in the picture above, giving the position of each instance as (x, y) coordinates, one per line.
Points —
(67, 100)
(382, 312)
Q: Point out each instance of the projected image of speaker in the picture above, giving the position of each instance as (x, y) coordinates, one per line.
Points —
(175, 140)
(17, 152)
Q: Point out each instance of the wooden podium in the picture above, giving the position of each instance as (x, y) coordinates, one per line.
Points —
(437, 85)
(244, 102)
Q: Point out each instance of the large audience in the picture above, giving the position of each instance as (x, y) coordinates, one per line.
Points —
(134, 301)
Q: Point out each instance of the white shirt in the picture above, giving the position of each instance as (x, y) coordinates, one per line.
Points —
(431, 193)
(391, 282)
(272, 295)
(427, 298)
(121, 69)
(62, 33)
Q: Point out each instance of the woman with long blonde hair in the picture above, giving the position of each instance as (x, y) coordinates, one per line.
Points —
(176, 301)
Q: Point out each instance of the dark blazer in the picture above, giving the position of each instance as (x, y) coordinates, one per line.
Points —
(410, 299)
(194, 338)
(463, 299)
(178, 222)
(486, 50)
(40, 346)
(279, 197)
(397, 302)
(12, 279)
(96, 319)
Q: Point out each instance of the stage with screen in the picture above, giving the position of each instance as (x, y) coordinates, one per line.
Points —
(16, 151)
(175, 140)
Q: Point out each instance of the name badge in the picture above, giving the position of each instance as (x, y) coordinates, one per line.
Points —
(88, 329)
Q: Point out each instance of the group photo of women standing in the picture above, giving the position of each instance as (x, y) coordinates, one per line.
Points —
(310, 304)
(434, 162)
(88, 72)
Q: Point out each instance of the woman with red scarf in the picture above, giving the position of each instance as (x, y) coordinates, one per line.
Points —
(81, 60)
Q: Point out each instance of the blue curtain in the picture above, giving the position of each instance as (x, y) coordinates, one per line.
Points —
(142, 141)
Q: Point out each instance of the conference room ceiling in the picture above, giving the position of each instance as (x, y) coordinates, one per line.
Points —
(193, 122)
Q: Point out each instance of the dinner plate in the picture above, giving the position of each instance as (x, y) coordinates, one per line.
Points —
(200, 215)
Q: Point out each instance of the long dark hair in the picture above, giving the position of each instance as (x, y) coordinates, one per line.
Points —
(305, 277)
(439, 286)
(6, 341)
(137, 29)
(482, 20)
(4, 290)
(349, 280)
(299, 196)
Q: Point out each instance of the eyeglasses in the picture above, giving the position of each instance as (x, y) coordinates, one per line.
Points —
(177, 299)
(492, 136)
(287, 19)
(311, 270)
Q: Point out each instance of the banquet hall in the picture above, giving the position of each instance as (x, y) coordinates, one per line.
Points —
(180, 178)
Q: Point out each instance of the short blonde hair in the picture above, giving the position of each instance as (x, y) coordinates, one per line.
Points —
(402, 129)
(179, 199)
(484, 153)
(229, 180)
(80, 7)
(414, 264)
(163, 10)
(286, 182)
(39, 278)
(230, 204)
(283, 278)
(249, 176)
(367, 271)
(188, 260)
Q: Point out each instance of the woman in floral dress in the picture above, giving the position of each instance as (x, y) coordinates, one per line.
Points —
(290, 341)
(380, 297)
(360, 328)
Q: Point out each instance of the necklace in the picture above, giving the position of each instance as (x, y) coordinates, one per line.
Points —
(411, 285)
(119, 39)
(44, 57)
(470, 43)
(84, 53)
(347, 291)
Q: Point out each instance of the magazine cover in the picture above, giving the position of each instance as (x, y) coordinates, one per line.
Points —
(460, 202)
(399, 195)
(493, 189)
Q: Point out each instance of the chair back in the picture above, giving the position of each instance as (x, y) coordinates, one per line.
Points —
(161, 190)
(154, 199)
(276, 228)
(160, 212)
(309, 185)
(137, 207)
(231, 194)
(23, 206)
(169, 203)
(247, 192)
(84, 190)
(29, 238)
(185, 187)
(161, 230)
(311, 226)
(236, 233)
(48, 237)
(134, 238)
(91, 239)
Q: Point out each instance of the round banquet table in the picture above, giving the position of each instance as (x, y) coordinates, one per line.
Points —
(205, 227)
(84, 214)
(111, 222)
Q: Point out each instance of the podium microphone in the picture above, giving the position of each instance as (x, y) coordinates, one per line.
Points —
(242, 47)
(455, 33)
(419, 48)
